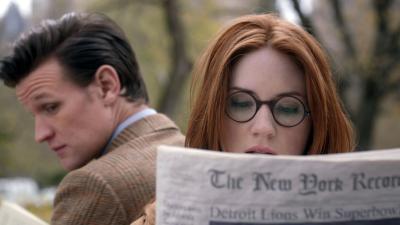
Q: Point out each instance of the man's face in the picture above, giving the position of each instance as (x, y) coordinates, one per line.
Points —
(74, 121)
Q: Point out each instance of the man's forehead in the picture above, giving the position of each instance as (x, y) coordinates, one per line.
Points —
(46, 77)
(34, 87)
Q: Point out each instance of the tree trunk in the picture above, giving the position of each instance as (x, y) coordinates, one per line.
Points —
(367, 114)
(305, 20)
(181, 65)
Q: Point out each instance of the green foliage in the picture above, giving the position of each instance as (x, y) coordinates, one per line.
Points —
(52, 178)
(4, 154)
(144, 23)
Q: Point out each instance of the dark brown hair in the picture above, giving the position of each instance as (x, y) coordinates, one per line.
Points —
(81, 43)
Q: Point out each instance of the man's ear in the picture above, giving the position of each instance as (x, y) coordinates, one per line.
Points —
(106, 78)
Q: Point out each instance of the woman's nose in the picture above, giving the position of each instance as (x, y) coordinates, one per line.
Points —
(263, 123)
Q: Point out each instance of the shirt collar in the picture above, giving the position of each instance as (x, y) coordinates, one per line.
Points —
(128, 121)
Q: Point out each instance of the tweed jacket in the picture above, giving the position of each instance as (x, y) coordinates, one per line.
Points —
(114, 188)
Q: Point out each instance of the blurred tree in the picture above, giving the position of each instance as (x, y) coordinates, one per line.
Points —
(12, 23)
(181, 64)
(369, 68)
(4, 139)
(168, 35)
(51, 9)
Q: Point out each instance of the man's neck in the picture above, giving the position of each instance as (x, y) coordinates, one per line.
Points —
(126, 109)
(127, 116)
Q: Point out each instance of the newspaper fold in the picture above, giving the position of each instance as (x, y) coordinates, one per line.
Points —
(13, 214)
(198, 187)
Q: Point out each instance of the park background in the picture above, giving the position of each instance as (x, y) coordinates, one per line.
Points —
(362, 38)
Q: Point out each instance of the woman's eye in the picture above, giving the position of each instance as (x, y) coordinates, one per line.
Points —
(241, 104)
(288, 109)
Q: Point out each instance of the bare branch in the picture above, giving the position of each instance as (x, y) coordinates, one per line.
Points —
(394, 40)
(394, 51)
(181, 64)
(394, 85)
(382, 30)
(342, 81)
(393, 62)
(386, 43)
(344, 30)
(305, 20)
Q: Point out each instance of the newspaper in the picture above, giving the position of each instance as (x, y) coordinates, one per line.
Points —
(199, 187)
(13, 214)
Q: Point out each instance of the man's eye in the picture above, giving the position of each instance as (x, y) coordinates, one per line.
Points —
(50, 108)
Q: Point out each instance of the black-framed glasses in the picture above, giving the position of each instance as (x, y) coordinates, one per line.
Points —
(287, 110)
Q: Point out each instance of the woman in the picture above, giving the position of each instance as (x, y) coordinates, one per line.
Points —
(264, 86)
(223, 66)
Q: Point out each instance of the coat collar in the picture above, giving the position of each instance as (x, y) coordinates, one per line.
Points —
(142, 127)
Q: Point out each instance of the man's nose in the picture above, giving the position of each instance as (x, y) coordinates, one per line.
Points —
(263, 123)
(43, 131)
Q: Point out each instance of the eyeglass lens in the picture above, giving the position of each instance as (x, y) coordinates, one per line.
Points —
(287, 111)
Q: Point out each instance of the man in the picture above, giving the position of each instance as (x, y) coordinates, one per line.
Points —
(79, 78)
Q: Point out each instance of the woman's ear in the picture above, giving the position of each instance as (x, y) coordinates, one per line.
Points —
(107, 80)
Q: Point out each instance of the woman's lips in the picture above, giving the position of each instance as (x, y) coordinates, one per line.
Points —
(258, 149)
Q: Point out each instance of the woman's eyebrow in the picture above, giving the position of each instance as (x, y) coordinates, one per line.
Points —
(286, 93)
(240, 89)
(291, 93)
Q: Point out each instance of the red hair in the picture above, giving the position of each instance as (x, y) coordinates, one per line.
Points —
(332, 130)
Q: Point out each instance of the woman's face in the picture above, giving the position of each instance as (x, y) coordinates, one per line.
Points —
(268, 76)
